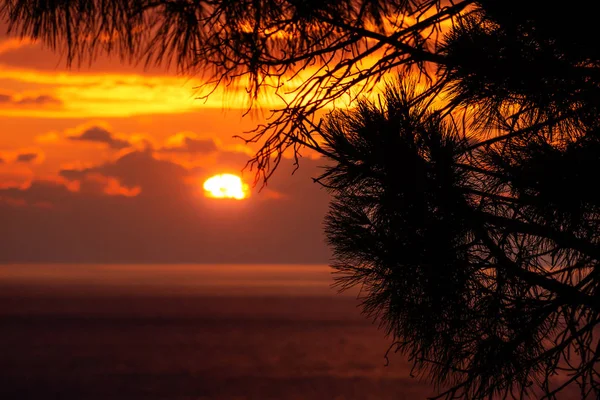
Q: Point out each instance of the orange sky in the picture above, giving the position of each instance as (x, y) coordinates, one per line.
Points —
(105, 163)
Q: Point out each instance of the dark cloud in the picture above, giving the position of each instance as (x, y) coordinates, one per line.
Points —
(137, 169)
(42, 58)
(39, 191)
(27, 101)
(26, 157)
(72, 174)
(192, 145)
(44, 99)
(168, 221)
(100, 135)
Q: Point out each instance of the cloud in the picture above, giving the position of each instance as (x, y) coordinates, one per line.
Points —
(169, 220)
(12, 44)
(15, 174)
(97, 183)
(40, 100)
(136, 171)
(43, 99)
(192, 145)
(98, 134)
(99, 94)
(13, 160)
(39, 192)
(26, 157)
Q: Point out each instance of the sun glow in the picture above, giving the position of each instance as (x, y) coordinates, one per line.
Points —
(225, 186)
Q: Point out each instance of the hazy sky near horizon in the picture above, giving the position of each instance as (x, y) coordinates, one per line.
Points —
(105, 163)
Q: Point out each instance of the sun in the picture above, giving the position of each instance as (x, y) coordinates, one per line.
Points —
(225, 186)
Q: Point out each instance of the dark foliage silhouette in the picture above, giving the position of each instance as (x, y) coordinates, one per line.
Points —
(464, 199)
(481, 264)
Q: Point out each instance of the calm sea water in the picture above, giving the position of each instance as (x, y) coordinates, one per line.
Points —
(189, 332)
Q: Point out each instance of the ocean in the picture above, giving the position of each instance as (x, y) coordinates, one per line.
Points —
(190, 332)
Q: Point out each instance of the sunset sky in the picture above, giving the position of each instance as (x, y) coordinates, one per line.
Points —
(106, 163)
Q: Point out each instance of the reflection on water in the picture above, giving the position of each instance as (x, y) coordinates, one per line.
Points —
(225, 279)
(189, 332)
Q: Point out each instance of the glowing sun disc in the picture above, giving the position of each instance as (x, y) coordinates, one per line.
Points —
(225, 186)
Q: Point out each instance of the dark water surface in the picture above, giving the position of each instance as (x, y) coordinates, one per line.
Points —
(189, 332)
